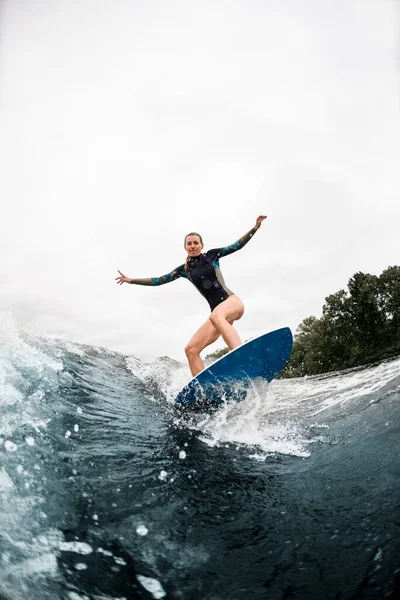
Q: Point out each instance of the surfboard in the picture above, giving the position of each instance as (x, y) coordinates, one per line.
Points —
(231, 375)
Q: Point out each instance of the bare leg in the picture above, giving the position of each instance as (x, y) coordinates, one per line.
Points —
(206, 335)
(219, 323)
(222, 318)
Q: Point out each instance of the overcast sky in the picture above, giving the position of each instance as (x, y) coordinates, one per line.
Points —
(126, 124)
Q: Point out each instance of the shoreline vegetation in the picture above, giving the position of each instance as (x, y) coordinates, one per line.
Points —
(358, 326)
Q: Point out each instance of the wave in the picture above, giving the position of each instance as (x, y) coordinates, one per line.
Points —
(107, 491)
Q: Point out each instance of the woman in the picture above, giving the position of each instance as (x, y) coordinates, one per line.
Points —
(204, 272)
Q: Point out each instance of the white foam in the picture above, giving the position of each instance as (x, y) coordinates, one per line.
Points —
(77, 547)
(280, 417)
(6, 483)
(169, 375)
(20, 363)
(153, 586)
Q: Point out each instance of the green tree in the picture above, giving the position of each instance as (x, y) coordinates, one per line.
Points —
(217, 354)
(366, 316)
(357, 326)
(389, 303)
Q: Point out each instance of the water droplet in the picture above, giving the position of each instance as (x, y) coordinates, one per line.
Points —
(153, 586)
(142, 530)
(10, 446)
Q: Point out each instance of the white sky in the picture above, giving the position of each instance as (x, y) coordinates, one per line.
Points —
(126, 124)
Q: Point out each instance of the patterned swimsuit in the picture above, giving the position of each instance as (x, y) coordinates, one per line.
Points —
(204, 272)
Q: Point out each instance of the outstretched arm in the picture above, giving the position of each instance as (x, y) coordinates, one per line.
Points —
(244, 239)
(149, 280)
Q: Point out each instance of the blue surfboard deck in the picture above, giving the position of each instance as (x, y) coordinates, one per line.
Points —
(231, 375)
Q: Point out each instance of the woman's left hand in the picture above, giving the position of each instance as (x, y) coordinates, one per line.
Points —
(259, 220)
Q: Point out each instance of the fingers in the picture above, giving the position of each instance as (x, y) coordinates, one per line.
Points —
(121, 278)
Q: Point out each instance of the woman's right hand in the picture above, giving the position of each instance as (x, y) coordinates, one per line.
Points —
(122, 278)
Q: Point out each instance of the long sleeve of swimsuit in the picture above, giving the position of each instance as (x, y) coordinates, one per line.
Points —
(175, 274)
(239, 244)
(180, 271)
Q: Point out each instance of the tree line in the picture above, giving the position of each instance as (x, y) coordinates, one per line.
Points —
(358, 326)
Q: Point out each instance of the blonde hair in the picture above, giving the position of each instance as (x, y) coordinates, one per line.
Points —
(184, 243)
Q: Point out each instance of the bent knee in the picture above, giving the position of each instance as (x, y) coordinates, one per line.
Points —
(216, 320)
(191, 350)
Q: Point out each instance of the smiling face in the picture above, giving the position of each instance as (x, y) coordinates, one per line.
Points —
(193, 244)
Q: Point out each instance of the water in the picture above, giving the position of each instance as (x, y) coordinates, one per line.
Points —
(107, 492)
